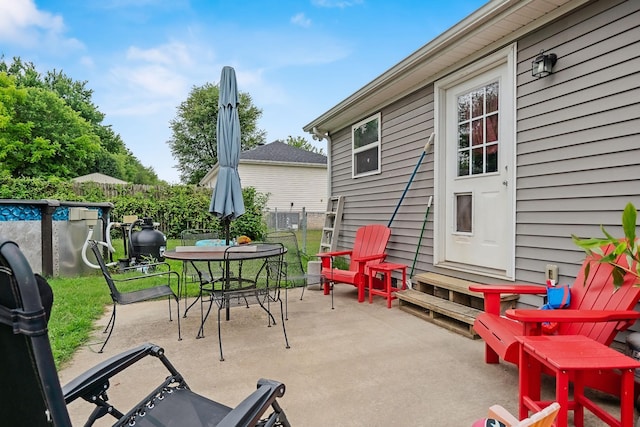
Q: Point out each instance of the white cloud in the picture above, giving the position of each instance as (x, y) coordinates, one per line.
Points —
(337, 3)
(23, 24)
(168, 54)
(146, 82)
(151, 81)
(301, 20)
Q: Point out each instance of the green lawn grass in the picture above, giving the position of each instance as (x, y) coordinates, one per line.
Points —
(80, 301)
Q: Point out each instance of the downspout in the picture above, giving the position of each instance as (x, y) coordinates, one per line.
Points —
(319, 136)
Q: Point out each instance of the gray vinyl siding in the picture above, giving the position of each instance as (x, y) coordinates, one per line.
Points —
(578, 135)
(406, 126)
(577, 148)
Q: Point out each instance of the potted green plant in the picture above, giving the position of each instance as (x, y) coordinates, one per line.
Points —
(627, 246)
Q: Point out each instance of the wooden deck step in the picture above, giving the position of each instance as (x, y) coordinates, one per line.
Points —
(450, 315)
(447, 301)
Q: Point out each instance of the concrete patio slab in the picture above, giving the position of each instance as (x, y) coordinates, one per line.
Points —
(356, 365)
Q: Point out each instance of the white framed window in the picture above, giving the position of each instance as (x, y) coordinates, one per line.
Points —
(365, 149)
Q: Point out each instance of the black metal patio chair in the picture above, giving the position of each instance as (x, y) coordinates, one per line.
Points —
(155, 284)
(247, 279)
(31, 394)
(199, 272)
(292, 271)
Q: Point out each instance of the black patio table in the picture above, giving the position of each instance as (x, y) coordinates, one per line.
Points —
(209, 254)
(271, 255)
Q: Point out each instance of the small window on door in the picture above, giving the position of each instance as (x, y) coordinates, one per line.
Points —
(464, 213)
(478, 131)
(366, 147)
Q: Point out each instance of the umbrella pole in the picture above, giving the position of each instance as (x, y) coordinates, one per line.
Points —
(227, 230)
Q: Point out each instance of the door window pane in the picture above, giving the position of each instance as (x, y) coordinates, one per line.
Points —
(477, 103)
(478, 161)
(463, 163)
(492, 128)
(478, 136)
(492, 98)
(463, 135)
(464, 210)
(463, 107)
(492, 158)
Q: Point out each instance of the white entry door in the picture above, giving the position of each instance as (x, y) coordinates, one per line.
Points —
(476, 194)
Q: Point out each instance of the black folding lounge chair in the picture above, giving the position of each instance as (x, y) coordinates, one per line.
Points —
(31, 394)
(151, 290)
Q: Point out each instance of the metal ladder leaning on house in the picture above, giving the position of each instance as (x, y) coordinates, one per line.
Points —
(331, 227)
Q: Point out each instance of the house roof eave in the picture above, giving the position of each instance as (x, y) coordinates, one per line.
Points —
(281, 163)
(494, 25)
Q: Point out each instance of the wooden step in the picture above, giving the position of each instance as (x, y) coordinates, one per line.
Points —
(447, 301)
(457, 290)
(450, 315)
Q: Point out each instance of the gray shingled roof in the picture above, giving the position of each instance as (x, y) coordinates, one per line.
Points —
(278, 151)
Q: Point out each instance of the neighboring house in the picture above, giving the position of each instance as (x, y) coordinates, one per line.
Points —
(518, 162)
(293, 178)
(99, 178)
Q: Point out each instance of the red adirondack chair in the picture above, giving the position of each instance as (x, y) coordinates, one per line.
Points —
(368, 248)
(595, 311)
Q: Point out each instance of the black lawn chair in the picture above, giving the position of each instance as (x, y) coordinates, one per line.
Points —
(152, 288)
(31, 394)
(292, 271)
(199, 272)
(247, 279)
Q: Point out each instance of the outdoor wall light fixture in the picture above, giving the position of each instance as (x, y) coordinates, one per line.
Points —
(542, 66)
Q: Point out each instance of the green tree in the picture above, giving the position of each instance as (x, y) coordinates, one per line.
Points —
(110, 156)
(12, 132)
(301, 142)
(194, 143)
(60, 142)
(25, 74)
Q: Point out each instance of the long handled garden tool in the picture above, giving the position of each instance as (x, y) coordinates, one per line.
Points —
(415, 170)
(415, 258)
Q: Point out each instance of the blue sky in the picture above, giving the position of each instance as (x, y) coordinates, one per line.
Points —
(297, 59)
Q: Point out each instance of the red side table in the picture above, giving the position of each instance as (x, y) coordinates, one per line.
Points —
(571, 356)
(386, 268)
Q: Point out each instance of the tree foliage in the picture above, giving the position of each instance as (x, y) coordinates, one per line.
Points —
(49, 126)
(60, 142)
(301, 142)
(194, 143)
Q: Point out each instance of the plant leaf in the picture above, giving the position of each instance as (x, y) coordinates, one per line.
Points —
(620, 248)
(609, 258)
(629, 222)
(587, 269)
(589, 243)
(618, 277)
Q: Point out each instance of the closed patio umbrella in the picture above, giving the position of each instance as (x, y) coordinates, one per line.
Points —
(226, 201)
